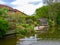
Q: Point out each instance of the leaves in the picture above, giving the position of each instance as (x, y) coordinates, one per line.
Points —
(3, 27)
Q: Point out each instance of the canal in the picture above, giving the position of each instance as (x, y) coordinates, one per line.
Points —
(32, 40)
(8, 41)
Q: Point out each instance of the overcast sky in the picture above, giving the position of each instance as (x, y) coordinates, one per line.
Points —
(26, 6)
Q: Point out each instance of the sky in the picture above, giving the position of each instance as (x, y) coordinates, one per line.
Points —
(26, 6)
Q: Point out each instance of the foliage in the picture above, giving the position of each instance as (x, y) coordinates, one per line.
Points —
(3, 22)
(3, 27)
(24, 24)
(42, 12)
(18, 21)
(24, 30)
(51, 12)
(3, 12)
(52, 33)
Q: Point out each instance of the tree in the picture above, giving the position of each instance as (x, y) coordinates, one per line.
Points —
(3, 12)
(3, 22)
(42, 12)
(3, 27)
(51, 12)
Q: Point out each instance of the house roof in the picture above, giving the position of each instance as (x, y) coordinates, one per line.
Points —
(2, 6)
(20, 11)
(10, 8)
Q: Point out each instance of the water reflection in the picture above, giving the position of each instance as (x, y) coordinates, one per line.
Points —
(8, 41)
(40, 42)
(35, 41)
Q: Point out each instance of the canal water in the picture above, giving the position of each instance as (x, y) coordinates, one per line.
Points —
(8, 41)
(32, 40)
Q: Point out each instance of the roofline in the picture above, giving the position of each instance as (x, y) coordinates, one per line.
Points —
(13, 9)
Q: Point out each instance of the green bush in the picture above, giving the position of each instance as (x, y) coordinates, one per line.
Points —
(28, 29)
(3, 27)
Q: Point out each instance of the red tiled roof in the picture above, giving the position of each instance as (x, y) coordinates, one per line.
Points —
(10, 8)
(1, 6)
